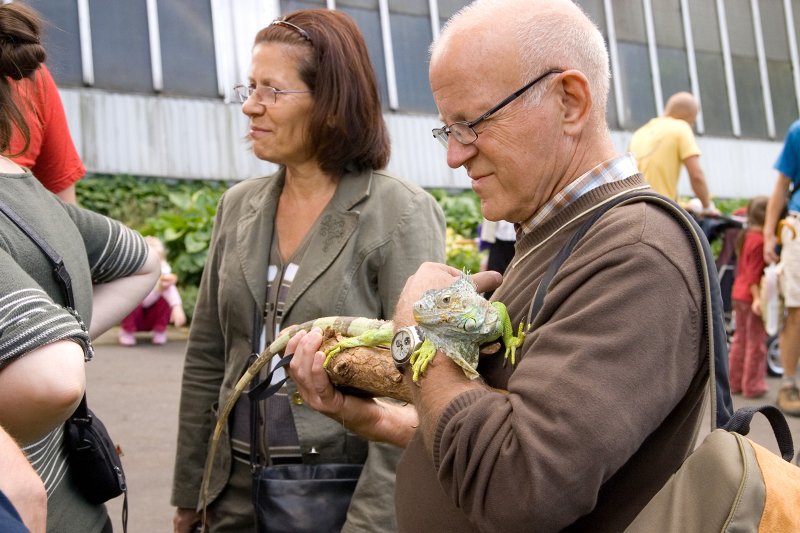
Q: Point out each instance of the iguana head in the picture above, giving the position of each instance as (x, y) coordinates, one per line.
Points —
(456, 309)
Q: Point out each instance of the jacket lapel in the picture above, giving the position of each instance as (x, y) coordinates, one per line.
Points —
(335, 227)
(254, 235)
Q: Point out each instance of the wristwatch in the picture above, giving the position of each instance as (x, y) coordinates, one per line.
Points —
(406, 341)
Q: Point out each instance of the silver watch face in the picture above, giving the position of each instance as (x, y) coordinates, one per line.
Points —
(403, 344)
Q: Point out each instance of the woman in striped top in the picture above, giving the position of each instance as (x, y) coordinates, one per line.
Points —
(43, 345)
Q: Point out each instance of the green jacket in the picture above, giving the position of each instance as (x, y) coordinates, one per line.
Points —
(374, 233)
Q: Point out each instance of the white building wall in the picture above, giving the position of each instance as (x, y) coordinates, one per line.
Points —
(154, 135)
(205, 139)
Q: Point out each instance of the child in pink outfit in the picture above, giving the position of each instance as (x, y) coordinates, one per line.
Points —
(162, 306)
(748, 353)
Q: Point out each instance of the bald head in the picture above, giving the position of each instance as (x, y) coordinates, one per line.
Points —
(541, 34)
(682, 106)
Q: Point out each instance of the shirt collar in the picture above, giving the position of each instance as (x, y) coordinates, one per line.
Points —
(615, 169)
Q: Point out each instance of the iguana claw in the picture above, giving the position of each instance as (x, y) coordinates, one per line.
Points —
(513, 342)
(421, 358)
(377, 337)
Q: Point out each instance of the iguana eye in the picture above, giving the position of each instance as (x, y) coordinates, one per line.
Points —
(445, 300)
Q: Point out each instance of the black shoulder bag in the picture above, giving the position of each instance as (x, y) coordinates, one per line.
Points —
(295, 498)
(93, 459)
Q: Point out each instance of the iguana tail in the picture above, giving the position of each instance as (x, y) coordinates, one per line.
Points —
(344, 325)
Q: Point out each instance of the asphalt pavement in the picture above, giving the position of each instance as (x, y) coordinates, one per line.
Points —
(135, 392)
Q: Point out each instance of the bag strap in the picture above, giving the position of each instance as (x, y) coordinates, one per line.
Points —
(59, 269)
(740, 423)
(261, 390)
(81, 417)
(713, 325)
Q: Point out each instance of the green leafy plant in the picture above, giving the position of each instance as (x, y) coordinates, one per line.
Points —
(727, 206)
(462, 253)
(185, 229)
(129, 199)
(462, 214)
(462, 211)
(179, 212)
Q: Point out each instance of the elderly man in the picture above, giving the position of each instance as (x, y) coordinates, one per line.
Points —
(606, 397)
(665, 143)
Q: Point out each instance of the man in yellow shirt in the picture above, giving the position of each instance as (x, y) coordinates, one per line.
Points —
(666, 142)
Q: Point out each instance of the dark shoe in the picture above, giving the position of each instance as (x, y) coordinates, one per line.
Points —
(789, 400)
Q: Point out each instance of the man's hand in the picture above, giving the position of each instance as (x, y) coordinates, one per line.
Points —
(710, 211)
(436, 276)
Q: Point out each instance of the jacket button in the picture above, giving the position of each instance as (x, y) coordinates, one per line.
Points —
(297, 399)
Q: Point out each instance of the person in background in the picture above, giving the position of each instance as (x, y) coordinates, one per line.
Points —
(23, 499)
(330, 233)
(784, 196)
(748, 353)
(49, 150)
(584, 429)
(665, 143)
(45, 344)
(162, 306)
(499, 237)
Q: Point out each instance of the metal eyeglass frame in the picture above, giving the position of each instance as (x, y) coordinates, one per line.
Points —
(244, 92)
(443, 134)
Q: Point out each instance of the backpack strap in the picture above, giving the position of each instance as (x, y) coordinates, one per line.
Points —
(740, 423)
(714, 322)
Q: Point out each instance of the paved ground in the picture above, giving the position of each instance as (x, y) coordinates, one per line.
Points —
(135, 392)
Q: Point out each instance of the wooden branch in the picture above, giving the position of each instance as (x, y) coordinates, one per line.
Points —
(365, 371)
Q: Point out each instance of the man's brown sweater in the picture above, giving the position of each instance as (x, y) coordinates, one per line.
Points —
(605, 401)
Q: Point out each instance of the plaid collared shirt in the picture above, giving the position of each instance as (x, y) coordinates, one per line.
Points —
(609, 171)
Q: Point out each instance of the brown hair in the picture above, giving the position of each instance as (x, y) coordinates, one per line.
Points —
(756, 213)
(346, 130)
(21, 54)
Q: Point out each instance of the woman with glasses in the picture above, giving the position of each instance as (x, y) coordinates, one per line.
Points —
(330, 233)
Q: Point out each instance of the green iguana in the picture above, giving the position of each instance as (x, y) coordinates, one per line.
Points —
(457, 320)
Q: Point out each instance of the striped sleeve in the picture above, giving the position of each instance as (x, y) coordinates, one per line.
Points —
(49, 458)
(30, 319)
(123, 254)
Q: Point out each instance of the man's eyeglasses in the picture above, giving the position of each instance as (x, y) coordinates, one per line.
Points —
(265, 95)
(463, 131)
